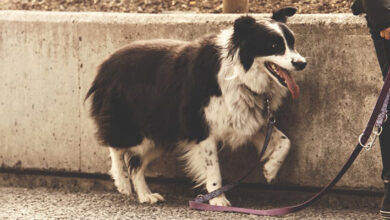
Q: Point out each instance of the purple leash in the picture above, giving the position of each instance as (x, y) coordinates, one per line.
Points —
(378, 116)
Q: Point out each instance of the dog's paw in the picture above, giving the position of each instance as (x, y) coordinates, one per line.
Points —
(270, 170)
(220, 201)
(123, 186)
(150, 198)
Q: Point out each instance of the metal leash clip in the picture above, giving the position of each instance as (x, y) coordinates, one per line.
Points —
(371, 143)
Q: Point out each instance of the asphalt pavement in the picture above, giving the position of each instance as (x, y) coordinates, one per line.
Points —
(78, 198)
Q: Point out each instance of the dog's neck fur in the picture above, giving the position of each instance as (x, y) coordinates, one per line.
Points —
(232, 76)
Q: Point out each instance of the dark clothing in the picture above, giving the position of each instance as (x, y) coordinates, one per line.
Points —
(378, 19)
(378, 12)
(382, 48)
(384, 140)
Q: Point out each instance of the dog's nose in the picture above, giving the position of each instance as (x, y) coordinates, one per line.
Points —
(299, 65)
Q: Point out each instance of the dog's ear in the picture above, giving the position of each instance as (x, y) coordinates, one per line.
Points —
(243, 25)
(282, 14)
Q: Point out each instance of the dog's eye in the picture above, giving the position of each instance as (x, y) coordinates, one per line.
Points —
(274, 46)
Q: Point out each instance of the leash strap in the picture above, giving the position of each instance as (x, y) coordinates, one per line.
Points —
(200, 199)
(383, 114)
(377, 118)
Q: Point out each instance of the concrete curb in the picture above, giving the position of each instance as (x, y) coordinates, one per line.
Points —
(49, 60)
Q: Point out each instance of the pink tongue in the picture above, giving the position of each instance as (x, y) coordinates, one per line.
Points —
(292, 86)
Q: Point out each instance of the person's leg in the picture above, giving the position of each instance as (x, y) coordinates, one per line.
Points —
(382, 51)
(382, 48)
(384, 140)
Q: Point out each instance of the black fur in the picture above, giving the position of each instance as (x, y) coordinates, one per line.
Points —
(282, 14)
(288, 35)
(134, 163)
(155, 89)
(158, 89)
(254, 39)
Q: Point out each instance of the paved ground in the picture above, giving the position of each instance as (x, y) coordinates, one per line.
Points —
(84, 200)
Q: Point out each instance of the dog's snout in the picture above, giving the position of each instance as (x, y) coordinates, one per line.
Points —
(299, 65)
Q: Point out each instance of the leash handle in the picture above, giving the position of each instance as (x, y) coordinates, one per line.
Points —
(377, 118)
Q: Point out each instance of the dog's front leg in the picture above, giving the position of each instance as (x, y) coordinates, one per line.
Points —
(276, 153)
(213, 173)
(203, 166)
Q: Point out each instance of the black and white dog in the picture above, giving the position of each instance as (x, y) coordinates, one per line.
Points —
(161, 95)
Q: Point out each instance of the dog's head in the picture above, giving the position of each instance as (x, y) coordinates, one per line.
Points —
(266, 51)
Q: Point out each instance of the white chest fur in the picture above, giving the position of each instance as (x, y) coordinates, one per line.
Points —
(234, 118)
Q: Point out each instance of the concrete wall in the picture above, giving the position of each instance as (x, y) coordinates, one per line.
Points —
(48, 60)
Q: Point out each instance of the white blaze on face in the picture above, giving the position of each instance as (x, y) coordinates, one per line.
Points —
(291, 55)
(284, 63)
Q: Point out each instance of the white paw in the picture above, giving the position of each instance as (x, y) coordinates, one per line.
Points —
(220, 201)
(123, 186)
(150, 198)
(270, 169)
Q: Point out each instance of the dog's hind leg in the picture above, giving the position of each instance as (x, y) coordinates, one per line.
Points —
(275, 154)
(118, 170)
(203, 166)
(138, 159)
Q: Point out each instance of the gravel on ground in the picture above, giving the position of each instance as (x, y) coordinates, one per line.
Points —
(166, 6)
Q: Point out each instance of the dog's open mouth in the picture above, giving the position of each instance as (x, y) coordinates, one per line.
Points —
(284, 78)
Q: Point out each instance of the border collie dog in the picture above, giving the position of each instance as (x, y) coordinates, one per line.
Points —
(188, 97)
